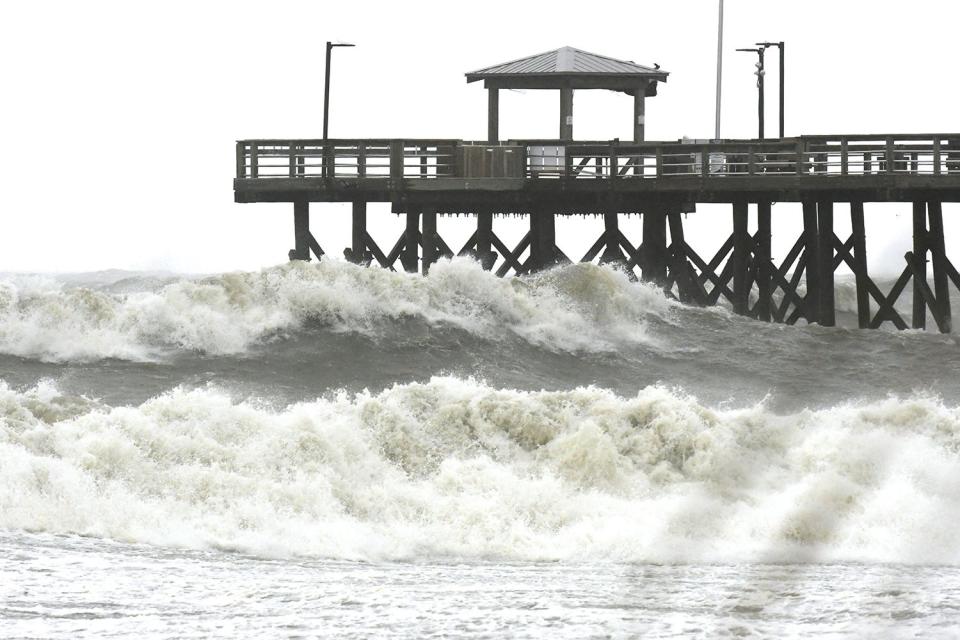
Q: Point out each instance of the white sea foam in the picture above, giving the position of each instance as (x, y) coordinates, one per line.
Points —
(579, 307)
(455, 468)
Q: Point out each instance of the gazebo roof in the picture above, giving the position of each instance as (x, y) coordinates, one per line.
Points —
(568, 67)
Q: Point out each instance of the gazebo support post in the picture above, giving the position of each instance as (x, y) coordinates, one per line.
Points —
(493, 115)
(566, 113)
(639, 112)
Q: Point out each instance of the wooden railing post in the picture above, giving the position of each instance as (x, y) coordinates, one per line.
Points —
(254, 161)
(936, 156)
(329, 160)
(396, 160)
(361, 159)
(705, 162)
(614, 159)
(241, 161)
(458, 160)
(659, 163)
(800, 158)
(891, 167)
(844, 157)
(751, 161)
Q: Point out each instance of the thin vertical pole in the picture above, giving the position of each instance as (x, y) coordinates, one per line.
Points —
(760, 87)
(826, 249)
(716, 135)
(920, 255)
(782, 47)
(326, 92)
(764, 265)
(860, 259)
(741, 240)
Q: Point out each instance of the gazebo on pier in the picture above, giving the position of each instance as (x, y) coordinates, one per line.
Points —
(568, 69)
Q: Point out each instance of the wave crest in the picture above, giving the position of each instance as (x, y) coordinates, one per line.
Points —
(455, 468)
(573, 308)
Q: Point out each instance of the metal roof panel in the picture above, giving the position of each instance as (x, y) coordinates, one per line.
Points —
(566, 60)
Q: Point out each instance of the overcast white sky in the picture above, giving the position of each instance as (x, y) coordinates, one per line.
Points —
(118, 119)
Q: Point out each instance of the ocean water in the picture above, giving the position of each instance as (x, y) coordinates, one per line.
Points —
(327, 450)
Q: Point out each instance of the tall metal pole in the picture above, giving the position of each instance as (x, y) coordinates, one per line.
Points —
(781, 90)
(780, 47)
(716, 134)
(326, 92)
(760, 74)
(326, 85)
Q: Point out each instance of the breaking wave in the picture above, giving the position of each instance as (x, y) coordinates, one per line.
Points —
(456, 468)
(576, 308)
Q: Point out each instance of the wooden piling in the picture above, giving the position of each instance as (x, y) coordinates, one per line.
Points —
(611, 234)
(811, 253)
(409, 255)
(358, 244)
(653, 255)
(689, 289)
(484, 238)
(826, 254)
(429, 238)
(542, 240)
(301, 231)
(763, 260)
(741, 254)
(920, 258)
(941, 281)
(860, 260)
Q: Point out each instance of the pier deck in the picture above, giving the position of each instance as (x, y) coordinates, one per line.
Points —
(598, 177)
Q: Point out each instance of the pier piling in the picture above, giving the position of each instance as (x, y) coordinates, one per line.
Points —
(653, 251)
(763, 258)
(859, 266)
(741, 252)
(826, 248)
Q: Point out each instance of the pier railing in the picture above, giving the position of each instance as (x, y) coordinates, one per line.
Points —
(815, 156)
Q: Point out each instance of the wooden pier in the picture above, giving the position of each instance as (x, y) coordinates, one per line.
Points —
(659, 180)
(541, 179)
